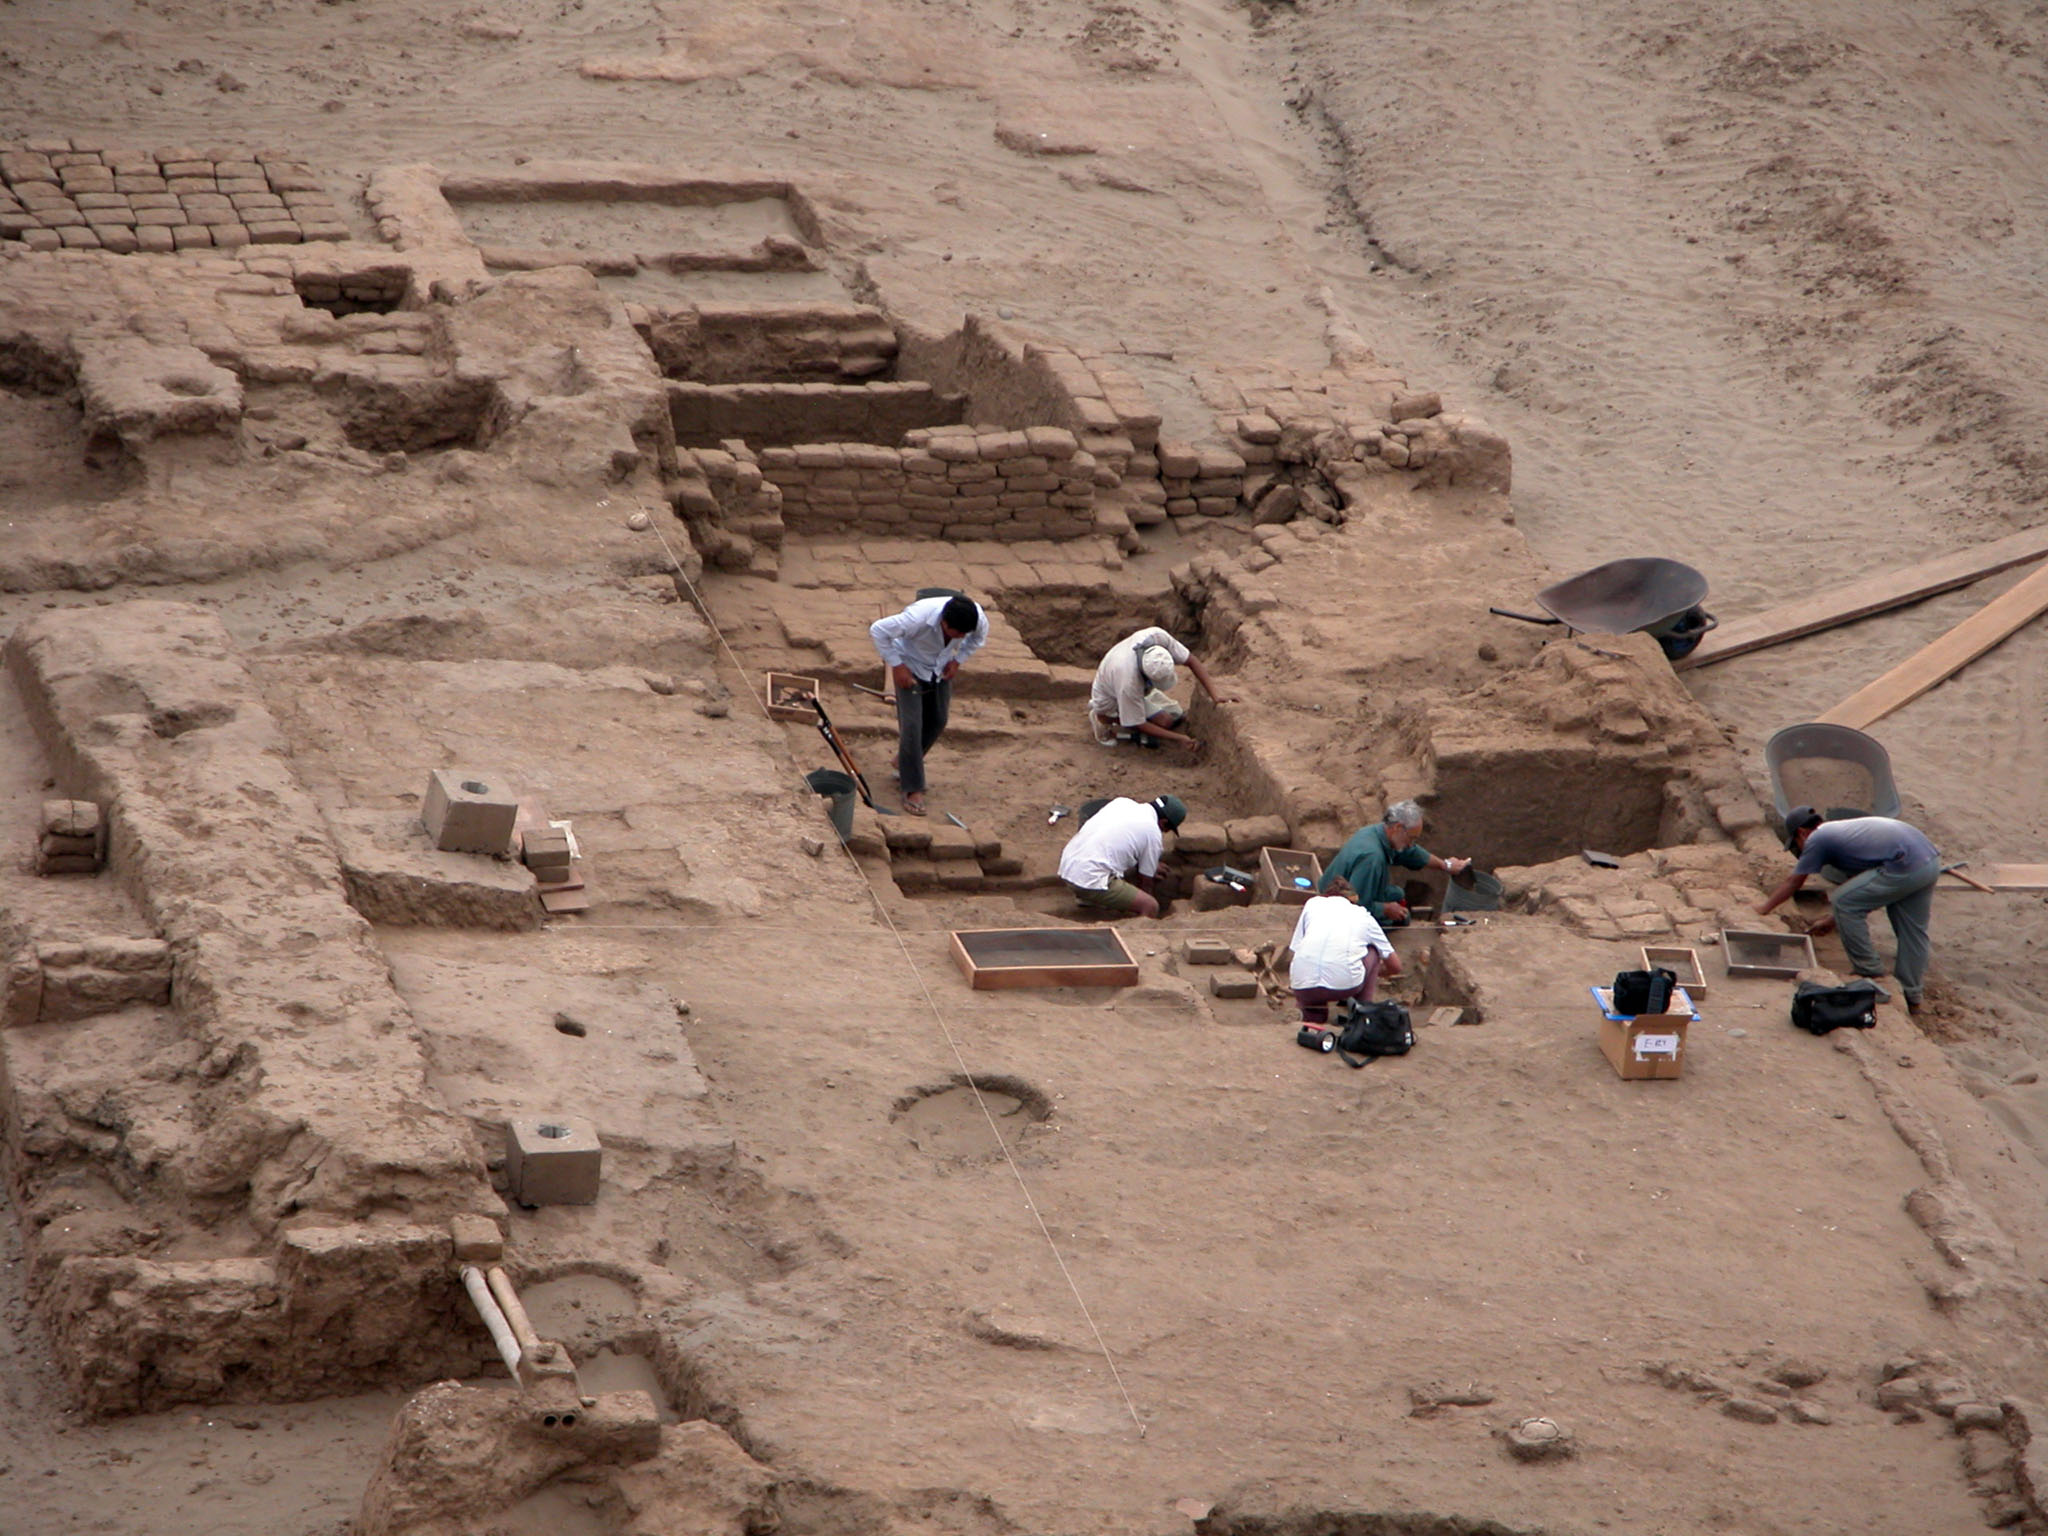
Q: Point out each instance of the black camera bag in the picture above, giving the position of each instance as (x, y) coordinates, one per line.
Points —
(1818, 1008)
(1375, 1029)
(1639, 992)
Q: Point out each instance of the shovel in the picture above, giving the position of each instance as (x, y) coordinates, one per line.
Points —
(846, 760)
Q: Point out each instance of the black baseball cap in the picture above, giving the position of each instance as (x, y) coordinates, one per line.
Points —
(1801, 818)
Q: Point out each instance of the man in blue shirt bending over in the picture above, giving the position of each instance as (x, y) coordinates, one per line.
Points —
(923, 646)
(1890, 865)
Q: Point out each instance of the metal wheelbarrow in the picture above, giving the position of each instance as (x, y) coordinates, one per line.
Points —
(1659, 597)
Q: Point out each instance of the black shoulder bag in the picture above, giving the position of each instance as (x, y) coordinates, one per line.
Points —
(1818, 1008)
(1639, 992)
(1375, 1029)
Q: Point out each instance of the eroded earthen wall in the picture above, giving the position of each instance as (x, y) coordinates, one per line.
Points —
(307, 1154)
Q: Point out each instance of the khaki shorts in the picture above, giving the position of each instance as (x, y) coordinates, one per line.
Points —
(1117, 896)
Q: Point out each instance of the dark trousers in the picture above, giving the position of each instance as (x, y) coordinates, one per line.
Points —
(921, 712)
(1314, 1002)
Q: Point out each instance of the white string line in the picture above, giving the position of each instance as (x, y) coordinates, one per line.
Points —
(903, 947)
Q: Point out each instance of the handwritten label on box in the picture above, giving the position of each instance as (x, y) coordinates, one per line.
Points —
(1655, 1045)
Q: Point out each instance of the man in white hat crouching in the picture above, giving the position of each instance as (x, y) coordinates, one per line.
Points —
(1132, 699)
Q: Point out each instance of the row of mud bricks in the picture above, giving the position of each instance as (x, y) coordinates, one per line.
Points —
(83, 195)
(828, 486)
(951, 481)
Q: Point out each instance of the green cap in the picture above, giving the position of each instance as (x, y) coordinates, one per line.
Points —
(1171, 811)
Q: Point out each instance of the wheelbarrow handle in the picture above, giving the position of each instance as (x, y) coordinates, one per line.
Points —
(1526, 618)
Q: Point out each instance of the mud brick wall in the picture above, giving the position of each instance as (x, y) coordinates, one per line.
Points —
(1006, 378)
(83, 195)
(734, 513)
(767, 343)
(951, 482)
(781, 415)
(328, 1107)
(1205, 482)
(330, 1309)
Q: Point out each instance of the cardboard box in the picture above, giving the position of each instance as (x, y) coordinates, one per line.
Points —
(1651, 1045)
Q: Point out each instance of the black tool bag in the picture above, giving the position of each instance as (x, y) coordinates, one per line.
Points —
(1638, 992)
(1375, 1029)
(1818, 1008)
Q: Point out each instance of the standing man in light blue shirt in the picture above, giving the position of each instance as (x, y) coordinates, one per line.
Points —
(923, 646)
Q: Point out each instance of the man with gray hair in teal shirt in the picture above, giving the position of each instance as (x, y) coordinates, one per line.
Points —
(1366, 860)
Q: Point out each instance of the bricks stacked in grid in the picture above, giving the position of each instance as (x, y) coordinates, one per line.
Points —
(76, 194)
(954, 482)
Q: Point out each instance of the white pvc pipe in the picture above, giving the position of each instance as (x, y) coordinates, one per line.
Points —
(501, 1331)
(515, 1314)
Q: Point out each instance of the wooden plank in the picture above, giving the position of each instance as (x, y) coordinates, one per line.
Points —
(1953, 651)
(2016, 877)
(1860, 599)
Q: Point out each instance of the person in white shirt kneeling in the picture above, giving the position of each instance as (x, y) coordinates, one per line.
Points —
(1340, 953)
(1126, 838)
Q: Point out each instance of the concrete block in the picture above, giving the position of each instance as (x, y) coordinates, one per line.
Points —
(1205, 951)
(552, 1160)
(468, 812)
(477, 1239)
(1233, 984)
(545, 849)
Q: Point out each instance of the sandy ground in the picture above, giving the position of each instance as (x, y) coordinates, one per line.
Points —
(1752, 289)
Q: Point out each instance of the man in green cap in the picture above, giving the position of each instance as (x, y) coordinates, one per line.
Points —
(1124, 838)
(1366, 861)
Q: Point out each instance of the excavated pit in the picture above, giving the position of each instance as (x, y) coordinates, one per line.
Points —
(1544, 803)
(948, 1123)
(1076, 628)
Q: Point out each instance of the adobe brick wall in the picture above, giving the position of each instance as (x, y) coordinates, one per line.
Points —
(950, 482)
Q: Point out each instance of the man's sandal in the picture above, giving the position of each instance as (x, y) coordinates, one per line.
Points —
(913, 805)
